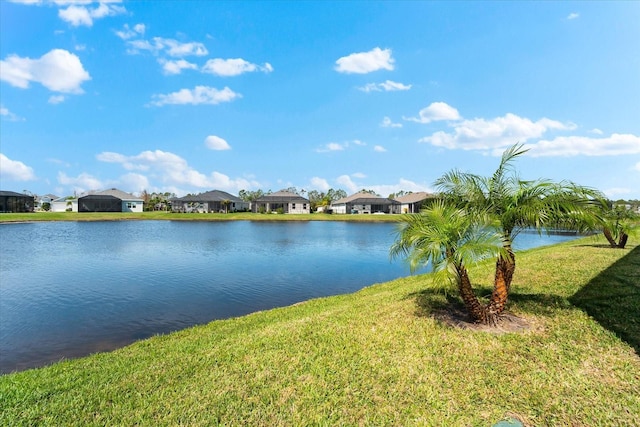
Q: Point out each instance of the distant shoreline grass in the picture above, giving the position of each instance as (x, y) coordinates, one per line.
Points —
(375, 357)
(171, 216)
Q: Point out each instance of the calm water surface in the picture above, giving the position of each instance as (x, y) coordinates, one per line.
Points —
(68, 289)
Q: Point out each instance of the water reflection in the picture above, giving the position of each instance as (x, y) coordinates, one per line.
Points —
(68, 289)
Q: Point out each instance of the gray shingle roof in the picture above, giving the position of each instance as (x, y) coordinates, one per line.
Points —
(116, 193)
(211, 196)
(365, 198)
(282, 196)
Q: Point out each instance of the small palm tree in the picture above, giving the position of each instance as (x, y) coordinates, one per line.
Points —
(450, 239)
(514, 205)
(617, 225)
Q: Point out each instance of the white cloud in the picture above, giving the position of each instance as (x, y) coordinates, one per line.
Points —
(331, 146)
(174, 171)
(495, 134)
(176, 67)
(358, 175)
(387, 86)
(335, 146)
(596, 131)
(402, 185)
(365, 62)
(78, 15)
(320, 184)
(566, 146)
(384, 190)
(169, 47)
(214, 142)
(379, 149)
(199, 95)
(4, 112)
(134, 182)
(637, 167)
(27, 2)
(127, 33)
(58, 70)
(436, 111)
(573, 15)
(81, 183)
(616, 192)
(233, 67)
(56, 99)
(346, 182)
(387, 123)
(14, 170)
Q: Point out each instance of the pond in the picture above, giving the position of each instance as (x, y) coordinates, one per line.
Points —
(68, 289)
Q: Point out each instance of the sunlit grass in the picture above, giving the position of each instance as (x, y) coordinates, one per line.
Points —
(374, 357)
(235, 216)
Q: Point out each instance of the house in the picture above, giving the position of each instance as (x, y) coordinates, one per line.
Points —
(11, 201)
(211, 201)
(112, 200)
(65, 204)
(41, 201)
(364, 203)
(284, 202)
(412, 202)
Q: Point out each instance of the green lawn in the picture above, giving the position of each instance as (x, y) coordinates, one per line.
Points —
(375, 357)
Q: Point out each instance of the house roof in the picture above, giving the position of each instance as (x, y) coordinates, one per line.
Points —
(365, 198)
(13, 194)
(117, 193)
(414, 197)
(210, 196)
(282, 196)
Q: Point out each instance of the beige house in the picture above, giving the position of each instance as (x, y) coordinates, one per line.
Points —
(282, 201)
(412, 202)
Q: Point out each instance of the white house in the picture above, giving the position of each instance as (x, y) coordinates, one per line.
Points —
(211, 201)
(283, 201)
(364, 203)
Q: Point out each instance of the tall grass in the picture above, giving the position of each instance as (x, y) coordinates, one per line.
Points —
(375, 357)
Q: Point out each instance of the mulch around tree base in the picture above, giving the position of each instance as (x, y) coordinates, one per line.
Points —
(457, 318)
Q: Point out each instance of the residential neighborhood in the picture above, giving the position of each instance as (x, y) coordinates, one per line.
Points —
(215, 201)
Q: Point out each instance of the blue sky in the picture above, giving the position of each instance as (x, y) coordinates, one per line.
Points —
(191, 96)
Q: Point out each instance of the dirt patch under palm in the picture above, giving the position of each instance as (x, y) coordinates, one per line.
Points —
(457, 318)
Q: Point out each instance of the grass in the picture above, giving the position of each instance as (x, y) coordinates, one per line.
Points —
(375, 357)
(235, 216)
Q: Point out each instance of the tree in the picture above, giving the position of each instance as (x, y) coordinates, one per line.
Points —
(226, 203)
(451, 239)
(513, 205)
(617, 223)
(400, 193)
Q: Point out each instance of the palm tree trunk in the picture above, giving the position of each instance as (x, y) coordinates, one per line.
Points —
(623, 240)
(476, 310)
(505, 267)
(609, 236)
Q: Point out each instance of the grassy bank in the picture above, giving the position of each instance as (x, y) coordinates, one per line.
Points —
(375, 357)
(240, 216)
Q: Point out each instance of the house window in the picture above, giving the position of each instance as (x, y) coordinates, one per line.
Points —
(304, 206)
(131, 205)
(293, 205)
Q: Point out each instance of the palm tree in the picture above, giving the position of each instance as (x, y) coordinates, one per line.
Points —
(514, 205)
(617, 224)
(451, 239)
